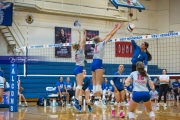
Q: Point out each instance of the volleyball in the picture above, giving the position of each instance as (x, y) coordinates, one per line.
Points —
(130, 27)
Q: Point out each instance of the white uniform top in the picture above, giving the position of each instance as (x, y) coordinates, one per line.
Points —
(79, 57)
(139, 82)
(1, 82)
(99, 50)
(164, 77)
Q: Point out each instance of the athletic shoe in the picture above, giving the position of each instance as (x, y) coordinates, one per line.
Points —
(63, 104)
(20, 105)
(74, 101)
(90, 109)
(104, 102)
(157, 105)
(121, 115)
(26, 104)
(100, 104)
(112, 101)
(165, 105)
(113, 113)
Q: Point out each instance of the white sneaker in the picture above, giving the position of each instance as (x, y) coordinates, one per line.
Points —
(100, 104)
(157, 105)
(165, 105)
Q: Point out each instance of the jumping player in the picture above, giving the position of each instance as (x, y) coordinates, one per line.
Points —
(97, 67)
(140, 54)
(119, 92)
(79, 58)
(140, 90)
(85, 91)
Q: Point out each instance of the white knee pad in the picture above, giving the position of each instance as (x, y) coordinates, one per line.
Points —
(123, 103)
(98, 88)
(109, 93)
(94, 89)
(104, 92)
(119, 104)
(112, 95)
(79, 87)
(131, 115)
(80, 98)
(115, 104)
(91, 94)
(88, 101)
(151, 114)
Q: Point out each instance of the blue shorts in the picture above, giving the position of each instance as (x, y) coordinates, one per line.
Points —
(96, 64)
(78, 70)
(140, 96)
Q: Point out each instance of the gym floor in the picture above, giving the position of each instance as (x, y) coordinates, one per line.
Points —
(32, 112)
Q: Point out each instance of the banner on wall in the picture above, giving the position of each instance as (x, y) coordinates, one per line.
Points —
(62, 36)
(89, 48)
(6, 13)
(123, 49)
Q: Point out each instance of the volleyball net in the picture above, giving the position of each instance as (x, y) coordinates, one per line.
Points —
(58, 59)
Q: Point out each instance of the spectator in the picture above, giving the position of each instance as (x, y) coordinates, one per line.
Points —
(70, 87)
(1, 72)
(1, 88)
(156, 83)
(175, 88)
(105, 90)
(21, 95)
(61, 89)
(154, 94)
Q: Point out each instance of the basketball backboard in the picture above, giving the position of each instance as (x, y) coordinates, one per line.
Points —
(128, 3)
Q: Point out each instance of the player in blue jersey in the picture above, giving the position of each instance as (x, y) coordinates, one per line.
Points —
(97, 67)
(85, 91)
(105, 91)
(70, 88)
(79, 58)
(140, 78)
(175, 88)
(61, 89)
(140, 54)
(119, 92)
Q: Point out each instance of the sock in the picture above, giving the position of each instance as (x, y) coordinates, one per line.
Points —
(19, 103)
(80, 106)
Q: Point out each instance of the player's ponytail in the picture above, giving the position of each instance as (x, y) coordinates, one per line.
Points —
(147, 52)
(140, 69)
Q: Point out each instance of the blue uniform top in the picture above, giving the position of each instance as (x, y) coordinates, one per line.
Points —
(118, 81)
(61, 85)
(111, 88)
(69, 86)
(176, 84)
(138, 55)
(91, 87)
(86, 83)
(130, 87)
(105, 86)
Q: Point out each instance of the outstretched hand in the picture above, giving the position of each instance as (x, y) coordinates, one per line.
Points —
(79, 31)
(120, 25)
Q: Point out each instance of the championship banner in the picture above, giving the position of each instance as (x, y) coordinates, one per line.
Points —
(62, 36)
(6, 10)
(89, 48)
(13, 105)
(123, 49)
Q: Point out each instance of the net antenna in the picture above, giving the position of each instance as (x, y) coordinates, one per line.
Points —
(128, 3)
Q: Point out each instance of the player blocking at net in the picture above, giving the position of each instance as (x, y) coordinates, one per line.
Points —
(78, 71)
(97, 66)
(140, 78)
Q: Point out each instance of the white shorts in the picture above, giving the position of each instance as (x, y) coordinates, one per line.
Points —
(1, 82)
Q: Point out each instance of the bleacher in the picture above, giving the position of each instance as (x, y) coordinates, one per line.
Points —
(35, 86)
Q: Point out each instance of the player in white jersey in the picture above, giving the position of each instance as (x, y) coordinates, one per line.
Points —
(79, 58)
(1, 88)
(140, 90)
(96, 66)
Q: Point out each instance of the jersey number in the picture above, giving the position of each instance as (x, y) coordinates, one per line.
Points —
(96, 50)
(140, 77)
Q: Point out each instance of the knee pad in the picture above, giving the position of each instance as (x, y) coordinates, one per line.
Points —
(131, 95)
(104, 92)
(80, 98)
(119, 104)
(112, 95)
(79, 87)
(88, 101)
(123, 104)
(94, 89)
(109, 93)
(115, 104)
(98, 88)
(131, 115)
(151, 114)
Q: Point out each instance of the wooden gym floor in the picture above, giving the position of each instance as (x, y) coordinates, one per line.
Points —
(32, 112)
